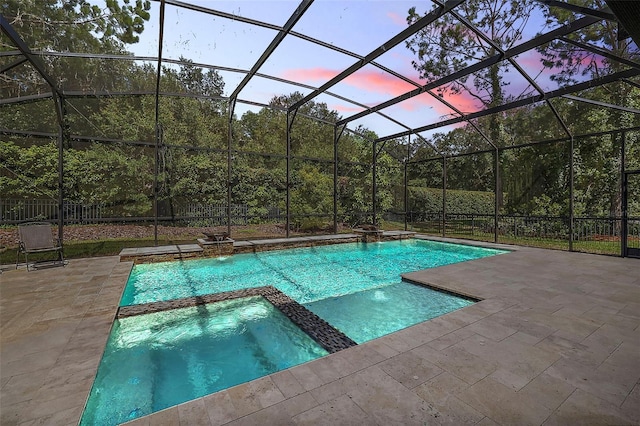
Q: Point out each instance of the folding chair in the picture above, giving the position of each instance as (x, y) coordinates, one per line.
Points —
(36, 237)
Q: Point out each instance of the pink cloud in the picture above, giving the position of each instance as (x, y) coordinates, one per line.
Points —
(532, 62)
(463, 101)
(345, 108)
(370, 81)
(378, 82)
(397, 19)
(418, 102)
(310, 75)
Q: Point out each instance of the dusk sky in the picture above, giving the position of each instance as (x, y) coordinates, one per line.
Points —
(358, 26)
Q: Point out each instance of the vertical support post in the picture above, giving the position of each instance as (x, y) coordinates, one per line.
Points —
(624, 188)
(232, 107)
(63, 133)
(406, 190)
(155, 190)
(60, 183)
(157, 142)
(444, 195)
(571, 184)
(290, 118)
(336, 137)
(374, 179)
(497, 197)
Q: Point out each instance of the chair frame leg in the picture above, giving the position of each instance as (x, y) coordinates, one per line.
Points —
(26, 258)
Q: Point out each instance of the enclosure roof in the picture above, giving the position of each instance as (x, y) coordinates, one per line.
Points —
(354, 57)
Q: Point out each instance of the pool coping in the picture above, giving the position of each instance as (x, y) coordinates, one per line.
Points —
(323, 333)
(441, 289)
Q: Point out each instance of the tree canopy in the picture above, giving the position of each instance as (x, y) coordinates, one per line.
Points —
(110, 159)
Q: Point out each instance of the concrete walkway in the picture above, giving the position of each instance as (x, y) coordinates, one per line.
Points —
(556, 340)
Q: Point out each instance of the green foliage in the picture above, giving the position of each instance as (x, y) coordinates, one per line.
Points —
(35, 116)
(76, 25)
(257, 186)
(311, 192)
(429, 200)
(107, 174)
(543, 205)
(73, 26)
(192, 156)
(533, 174)
(29, 167)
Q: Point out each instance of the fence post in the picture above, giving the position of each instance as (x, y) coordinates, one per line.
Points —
(623, 199)
(571, 177)
(497, 195)
(444, 195)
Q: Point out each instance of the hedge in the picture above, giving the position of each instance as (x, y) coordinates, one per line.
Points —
(461, 202)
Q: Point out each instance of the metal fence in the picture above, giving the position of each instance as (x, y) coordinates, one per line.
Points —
(203, 214)
(590, 234)
(14, 211)
(633, 232)
(216, 214)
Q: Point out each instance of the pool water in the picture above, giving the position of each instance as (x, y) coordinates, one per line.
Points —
(304, 274)
(158, 360)
(373, 313)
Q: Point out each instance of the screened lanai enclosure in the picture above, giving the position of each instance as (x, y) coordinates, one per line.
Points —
(493, 120)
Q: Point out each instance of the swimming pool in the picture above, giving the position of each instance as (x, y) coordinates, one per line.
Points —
(304, 274)
(153, 361)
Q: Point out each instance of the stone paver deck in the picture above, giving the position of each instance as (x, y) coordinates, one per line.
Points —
(555, 341)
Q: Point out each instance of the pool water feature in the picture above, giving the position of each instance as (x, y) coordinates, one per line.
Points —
(158, 360)
(304, 274)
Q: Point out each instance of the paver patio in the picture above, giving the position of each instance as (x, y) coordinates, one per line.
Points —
(555, 340)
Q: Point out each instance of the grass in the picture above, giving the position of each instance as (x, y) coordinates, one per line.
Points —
(78, 249)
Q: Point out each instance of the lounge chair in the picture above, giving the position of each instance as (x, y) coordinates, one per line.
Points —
(36, 237)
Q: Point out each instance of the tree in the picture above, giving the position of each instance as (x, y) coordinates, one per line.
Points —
(448, 45)
(311, 136)
(77, 25)
(310, 195)
(355, 154)
(572, 64)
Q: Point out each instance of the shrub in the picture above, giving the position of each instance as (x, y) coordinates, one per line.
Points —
(463, 202)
